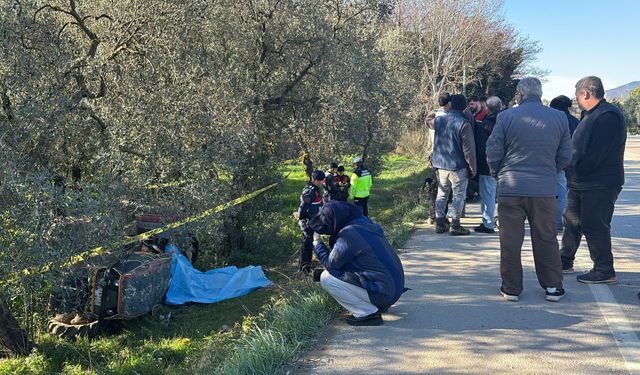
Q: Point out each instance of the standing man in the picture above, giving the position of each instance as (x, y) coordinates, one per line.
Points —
(454, 156)
(487, 182)
(330, 187)
(529, 145)
(595, 178)
(360, 185)
(444, 101)
(476, 108)
(343, 183)
(310, 203)
(563, 103)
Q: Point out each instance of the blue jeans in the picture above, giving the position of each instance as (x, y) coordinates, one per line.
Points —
(561, 198)
(487, 199)
(448, 181)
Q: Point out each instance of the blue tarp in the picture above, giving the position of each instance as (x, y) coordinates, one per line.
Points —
(190, 285)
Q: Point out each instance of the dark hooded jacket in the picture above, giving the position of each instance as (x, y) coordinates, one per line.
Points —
(360, 254)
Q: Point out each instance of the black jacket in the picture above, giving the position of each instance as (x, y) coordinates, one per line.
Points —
(482, 131)
(310, 202)
(597, 160)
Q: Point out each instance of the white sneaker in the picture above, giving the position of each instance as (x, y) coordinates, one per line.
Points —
(508, 297)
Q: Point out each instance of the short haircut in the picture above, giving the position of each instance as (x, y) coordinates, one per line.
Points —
(530, 86)
(458, 102)
(592, 85)
(473, 98)
(494, 104)
(561, 103)
(444, 99)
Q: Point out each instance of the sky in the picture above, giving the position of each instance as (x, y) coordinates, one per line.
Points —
(580, 38)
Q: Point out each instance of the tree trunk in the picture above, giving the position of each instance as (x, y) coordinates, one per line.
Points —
(13, 340)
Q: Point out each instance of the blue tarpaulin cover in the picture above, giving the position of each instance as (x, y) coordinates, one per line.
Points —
(190, 285)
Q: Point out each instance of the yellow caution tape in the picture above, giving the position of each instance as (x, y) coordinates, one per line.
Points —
(15, 277)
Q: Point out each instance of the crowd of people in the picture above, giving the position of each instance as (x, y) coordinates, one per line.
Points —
(536, 163)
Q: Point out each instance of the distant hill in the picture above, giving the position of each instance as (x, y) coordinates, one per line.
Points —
(621, 92)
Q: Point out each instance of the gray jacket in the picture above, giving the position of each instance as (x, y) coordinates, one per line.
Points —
(529, 145)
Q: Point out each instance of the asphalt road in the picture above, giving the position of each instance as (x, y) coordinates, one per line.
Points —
(454, 321)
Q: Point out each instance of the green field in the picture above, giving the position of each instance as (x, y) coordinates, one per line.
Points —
(256, 333)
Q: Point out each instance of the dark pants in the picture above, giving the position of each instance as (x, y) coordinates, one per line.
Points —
(362, 202)
(589, 212)
(541, 213)
(306, 248)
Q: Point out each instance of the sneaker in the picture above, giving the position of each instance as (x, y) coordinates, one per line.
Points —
(508, 297)
(553, 294)
(567, 266)
(595, 277)
(482, 229)
(374, 319)
(458, 231)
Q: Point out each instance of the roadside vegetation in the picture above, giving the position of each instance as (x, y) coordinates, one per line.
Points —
(254, 334)
(110, 110)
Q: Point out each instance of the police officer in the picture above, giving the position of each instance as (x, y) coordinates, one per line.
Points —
(360, 185)
(310, 203)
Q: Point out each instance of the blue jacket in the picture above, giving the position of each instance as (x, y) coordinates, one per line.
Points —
(360, 254)
(447, 145)
(530, 144)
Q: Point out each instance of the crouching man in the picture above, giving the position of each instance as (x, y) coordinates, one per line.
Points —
(362, 271)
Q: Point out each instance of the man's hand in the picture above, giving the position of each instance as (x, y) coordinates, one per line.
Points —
(316, 236)
(296, 215)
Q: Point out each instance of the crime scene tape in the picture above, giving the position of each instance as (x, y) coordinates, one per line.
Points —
(15, 277)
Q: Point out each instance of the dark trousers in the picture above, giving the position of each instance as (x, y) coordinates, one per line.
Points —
(306, 248)
(362, 202)
(589, 212)
(541, 213)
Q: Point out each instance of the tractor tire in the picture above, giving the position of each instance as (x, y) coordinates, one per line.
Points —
(72, 331)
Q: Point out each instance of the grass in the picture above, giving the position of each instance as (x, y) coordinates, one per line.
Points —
(254, 334)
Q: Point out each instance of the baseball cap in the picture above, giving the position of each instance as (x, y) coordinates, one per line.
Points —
(318, 175)
(358, 159)
(333, 165)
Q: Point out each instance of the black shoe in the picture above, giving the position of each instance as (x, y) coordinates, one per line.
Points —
(457, 229)
(374, 319)
(554, 296)
(440, 225)
(482, 229)
(595, 277)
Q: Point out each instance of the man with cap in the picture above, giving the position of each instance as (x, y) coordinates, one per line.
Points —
(310, 203)
(360, 185)
(330, 187)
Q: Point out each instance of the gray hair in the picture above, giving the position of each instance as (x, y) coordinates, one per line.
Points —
(530, 86)
(592, 85)
(494, 104)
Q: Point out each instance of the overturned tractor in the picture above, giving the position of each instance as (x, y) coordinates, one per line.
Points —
(115, 286)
